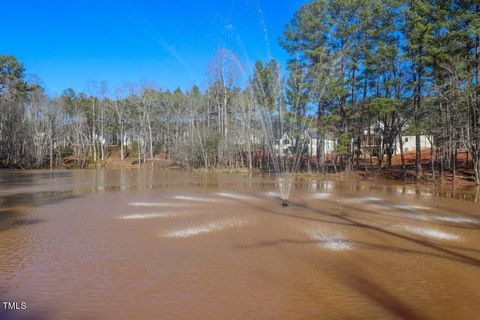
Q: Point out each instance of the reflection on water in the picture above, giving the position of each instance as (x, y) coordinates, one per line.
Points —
(145, 244)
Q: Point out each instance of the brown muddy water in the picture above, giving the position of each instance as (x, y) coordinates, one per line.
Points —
(128, 244)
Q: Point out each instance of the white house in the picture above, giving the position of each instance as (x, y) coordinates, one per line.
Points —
(285, 142)
(372, 140)
(426, 142)
(329, 143)
(99, 138)
(127, 141)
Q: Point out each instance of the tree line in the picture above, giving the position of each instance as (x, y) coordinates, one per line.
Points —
(364, 72)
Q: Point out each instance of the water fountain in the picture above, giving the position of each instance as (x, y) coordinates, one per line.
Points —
(285, 131)
(285, 140)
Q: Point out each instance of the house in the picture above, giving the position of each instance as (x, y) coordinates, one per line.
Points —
(409, 143)
(372, 141)
(329, 143)
(241, 140)
(127, 141)
(285, 143)
(99, 138)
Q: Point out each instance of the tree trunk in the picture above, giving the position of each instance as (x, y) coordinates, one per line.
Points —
(94, 148)
(320, 137)
(122, 156)
(454, 165)
(150, 137)
(102, 133)
(402, 155)
(51, 149)
(417, 100)
(418, 157)
(432, 161)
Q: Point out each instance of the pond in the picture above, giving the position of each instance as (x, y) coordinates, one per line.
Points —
(166, 244)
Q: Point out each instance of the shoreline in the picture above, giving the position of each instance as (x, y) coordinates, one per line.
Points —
(384, 175)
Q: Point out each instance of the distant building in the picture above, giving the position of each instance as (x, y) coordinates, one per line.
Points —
(127, 141)
(409, 143)
(372, 141)
(329, 143)
(284, 144)
(242, 141)
(99, 138)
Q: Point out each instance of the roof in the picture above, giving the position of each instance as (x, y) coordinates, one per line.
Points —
(281, 135)
(313, 133)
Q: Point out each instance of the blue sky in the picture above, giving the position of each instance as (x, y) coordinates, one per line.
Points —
(169, 43)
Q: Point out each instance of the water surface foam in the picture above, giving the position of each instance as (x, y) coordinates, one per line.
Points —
(273, 194)
(321, 195)
(234, 196)
(428, 232)
(457, 219)
(156, 204)
(334, 241)
(202, 229)
(363, 199)
(192, 198)
(152, 215)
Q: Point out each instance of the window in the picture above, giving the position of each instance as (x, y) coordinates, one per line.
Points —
(406, 139)
(285, 141)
